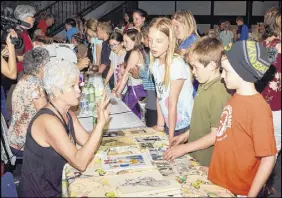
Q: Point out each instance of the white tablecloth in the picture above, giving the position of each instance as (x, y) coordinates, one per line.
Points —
(121, 117)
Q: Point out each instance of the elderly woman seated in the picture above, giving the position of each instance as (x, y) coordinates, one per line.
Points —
(54, 131)
(28, 97)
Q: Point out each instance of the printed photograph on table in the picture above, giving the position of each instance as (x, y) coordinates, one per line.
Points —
(186, 165)
(148, 139)
(143, 183)
(167, 169)
(124, 150)
(144, 145)
(156, 154)
(126, 162)
(138, 131)
(113, 133)
(117, 141)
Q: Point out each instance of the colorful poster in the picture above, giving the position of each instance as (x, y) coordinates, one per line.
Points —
(126, 162)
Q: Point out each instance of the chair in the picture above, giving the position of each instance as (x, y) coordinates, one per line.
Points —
(8, 187)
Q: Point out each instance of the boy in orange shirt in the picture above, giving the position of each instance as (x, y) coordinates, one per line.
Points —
(245, 148)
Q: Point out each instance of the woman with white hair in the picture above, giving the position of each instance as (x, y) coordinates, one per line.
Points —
(28, 97)
(54, 131)
(25, 13)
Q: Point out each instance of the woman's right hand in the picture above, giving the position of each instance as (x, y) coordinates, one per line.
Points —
(12, 34)
(103, 109)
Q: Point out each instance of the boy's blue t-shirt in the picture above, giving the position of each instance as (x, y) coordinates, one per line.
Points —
(71, 32)
(188, 42)
(244, 32)
(185, 45)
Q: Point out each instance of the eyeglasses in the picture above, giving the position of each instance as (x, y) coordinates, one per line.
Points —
(114, 46)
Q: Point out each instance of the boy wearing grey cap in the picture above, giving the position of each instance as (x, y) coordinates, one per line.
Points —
(245, 148)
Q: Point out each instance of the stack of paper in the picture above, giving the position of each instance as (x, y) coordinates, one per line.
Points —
(149, 183)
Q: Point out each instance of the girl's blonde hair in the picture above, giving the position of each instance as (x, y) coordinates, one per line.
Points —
(164, 25)
(186, 18)
(92, 24)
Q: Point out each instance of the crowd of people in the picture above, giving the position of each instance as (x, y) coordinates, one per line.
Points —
(217, 97)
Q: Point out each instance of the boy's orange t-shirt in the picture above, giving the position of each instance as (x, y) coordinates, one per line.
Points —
(245, 134)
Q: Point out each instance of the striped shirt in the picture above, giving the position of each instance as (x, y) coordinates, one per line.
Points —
(146, 75)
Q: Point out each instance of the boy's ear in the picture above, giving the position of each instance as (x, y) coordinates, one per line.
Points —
(212, 66)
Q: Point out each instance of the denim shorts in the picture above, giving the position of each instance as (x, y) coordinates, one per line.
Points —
(177, 132)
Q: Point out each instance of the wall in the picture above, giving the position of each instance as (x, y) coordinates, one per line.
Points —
(202, 9)
(103, 9)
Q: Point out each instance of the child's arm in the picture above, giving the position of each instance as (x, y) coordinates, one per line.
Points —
(175, 88)
(132, 61)
(109, 75)
(265, 168)
(202, 143)
(160, 121)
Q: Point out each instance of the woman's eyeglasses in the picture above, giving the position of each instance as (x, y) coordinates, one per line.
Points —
(114, 46)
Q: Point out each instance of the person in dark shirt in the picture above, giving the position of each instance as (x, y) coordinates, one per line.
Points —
(104, 30)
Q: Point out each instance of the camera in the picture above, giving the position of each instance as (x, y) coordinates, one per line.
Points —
(10, 23)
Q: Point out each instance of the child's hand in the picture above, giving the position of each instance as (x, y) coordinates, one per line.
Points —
(176, 140)
(174, 152)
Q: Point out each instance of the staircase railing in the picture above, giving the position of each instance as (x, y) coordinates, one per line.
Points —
(67, 9)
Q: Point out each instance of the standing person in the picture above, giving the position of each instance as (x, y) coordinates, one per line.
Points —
(28, 97)
(80, 49)
(24, 13)
(8, 69)
(143, 72)
(96, 43)
(117, 58)
(70, 26)
(128, 21)
(226, 36)
(243, 30)
(172, 79)
(104, 31)
(185, 28)
(244, 151)
(139, 18)
(46, 22)
(272, 91)
(204, 56)
(134, 57)
(54, 132)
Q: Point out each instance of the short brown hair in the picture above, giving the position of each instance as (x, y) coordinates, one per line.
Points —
(272, 22)
(105, 26)
(239, 18)
(206, 50)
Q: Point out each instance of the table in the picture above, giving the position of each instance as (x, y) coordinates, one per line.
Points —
(94, 182)
(121, 117)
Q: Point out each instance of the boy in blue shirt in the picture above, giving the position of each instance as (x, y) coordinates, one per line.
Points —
(243, 31)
